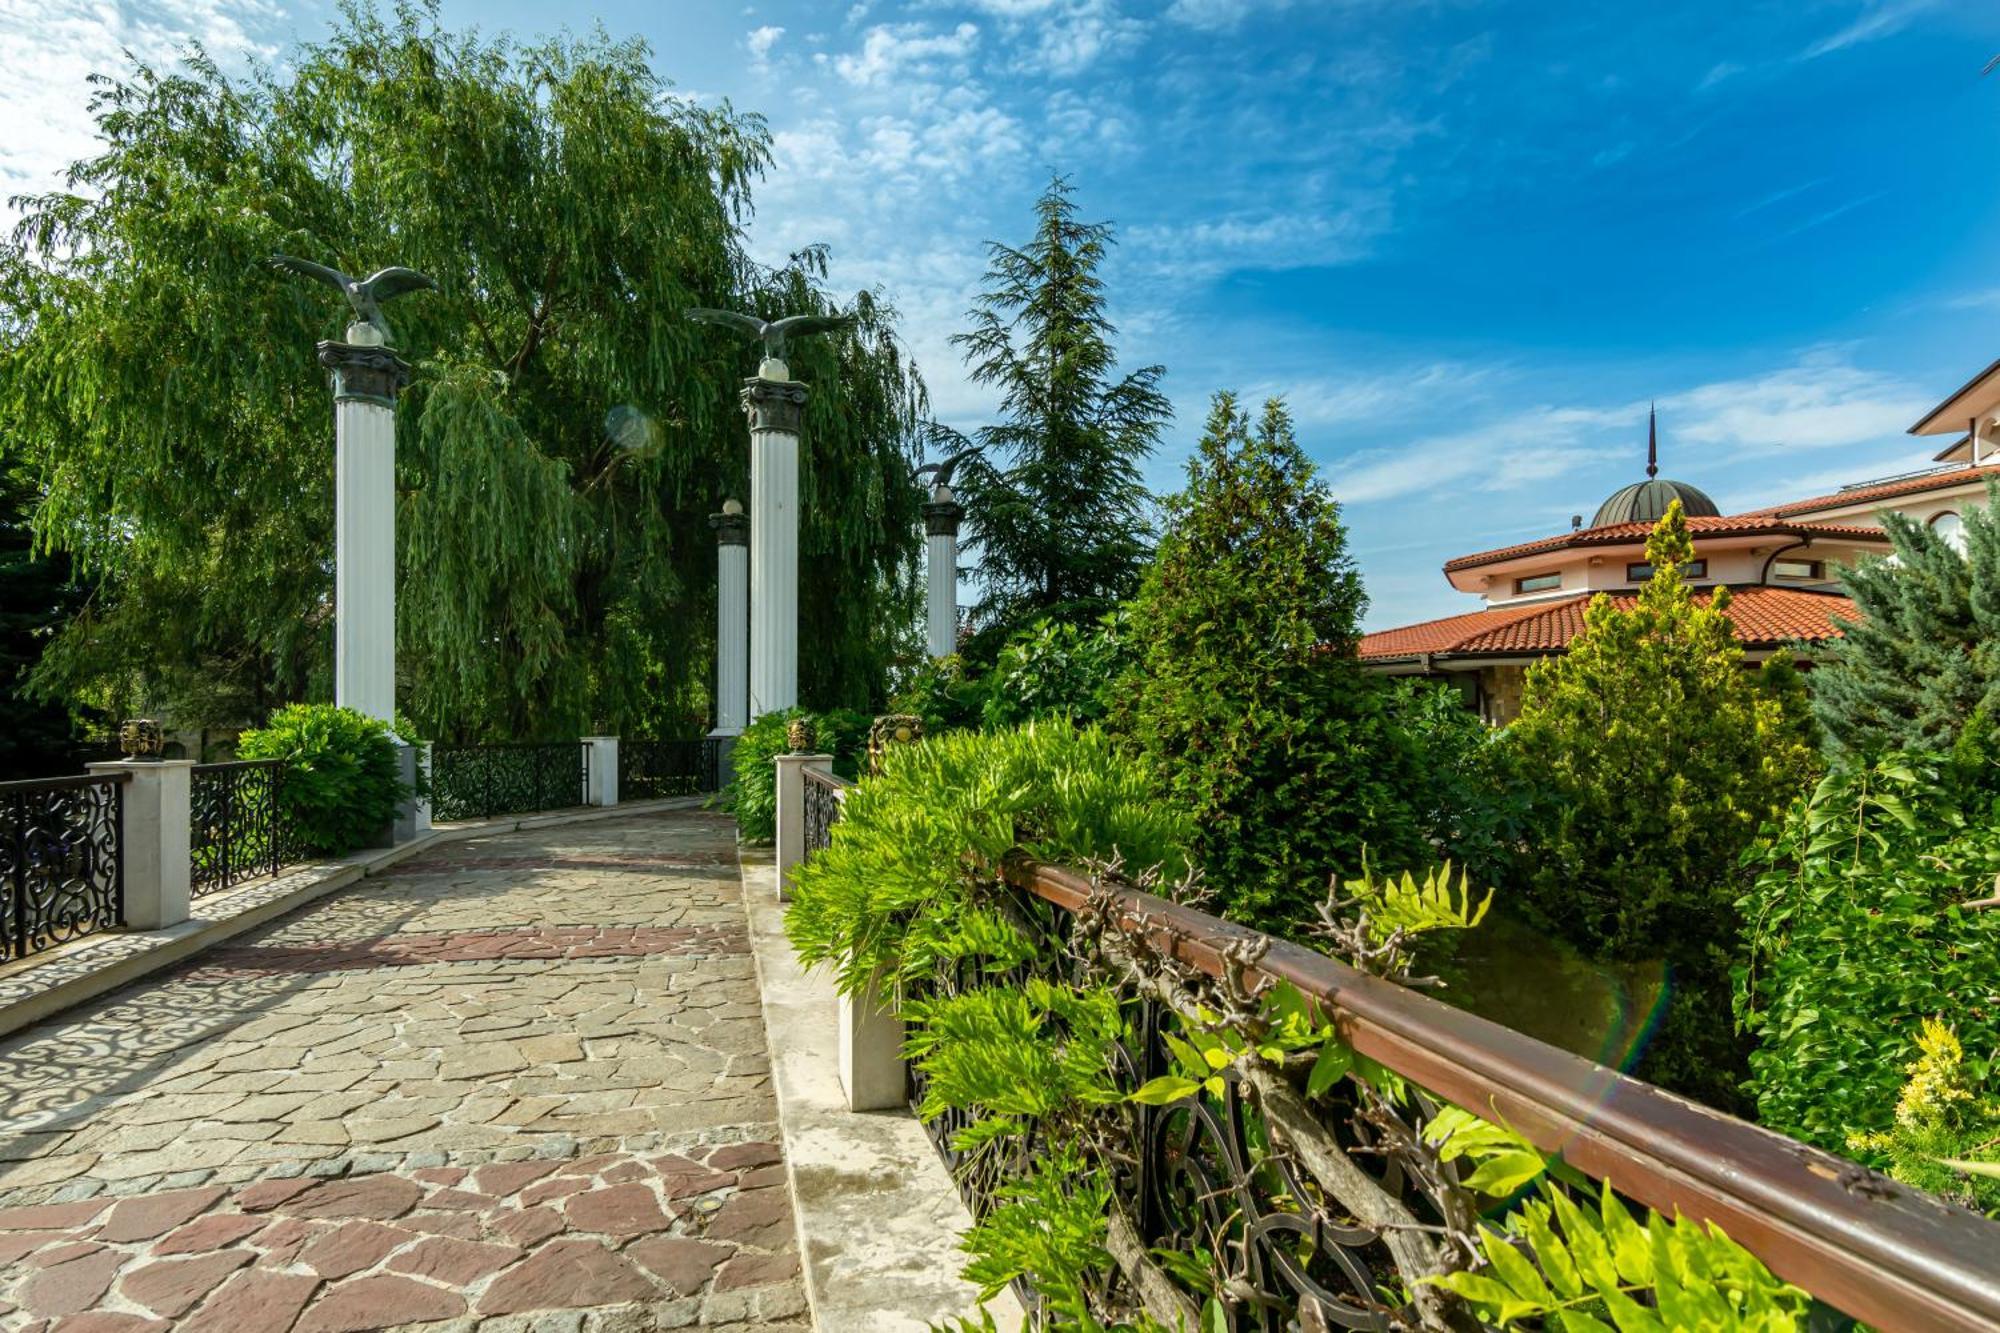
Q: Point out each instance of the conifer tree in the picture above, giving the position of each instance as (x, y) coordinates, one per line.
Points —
(1057, 504)
(1921, 659)
(1248, 703)
(1660, 756)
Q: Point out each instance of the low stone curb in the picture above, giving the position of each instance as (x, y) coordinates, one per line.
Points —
(36, 988)
(879, 1219)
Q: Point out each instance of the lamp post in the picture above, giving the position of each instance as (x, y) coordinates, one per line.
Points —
(732, 619)
(366, 377)
(941, 520)
(775, 404)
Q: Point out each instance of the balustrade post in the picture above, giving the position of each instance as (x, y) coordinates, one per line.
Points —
(157, 841)
(792, 813)
(871, 1052)
(602, 783)
(422, 805)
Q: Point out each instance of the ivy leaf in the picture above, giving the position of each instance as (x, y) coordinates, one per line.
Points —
(1165, 1090)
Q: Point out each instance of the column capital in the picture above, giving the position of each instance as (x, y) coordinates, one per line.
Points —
(774, 404)
(941, 517)
(732, 525)
(364, 374)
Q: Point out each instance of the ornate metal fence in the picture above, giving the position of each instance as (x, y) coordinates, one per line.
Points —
(481, 781)
(1238, 1185)
(62, 863)
(824, 793)
(654, 770)
(1204, 1176)
(238, 827)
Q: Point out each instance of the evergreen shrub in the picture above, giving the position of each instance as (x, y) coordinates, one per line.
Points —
(340, 786)
(1861, 927)
(1658, 757)
(1052, 669)
(1248, 704)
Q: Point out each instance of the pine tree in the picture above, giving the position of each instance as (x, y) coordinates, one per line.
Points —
(1248, 703)
(1057, 505)
(1660, 756)
(1921, 659)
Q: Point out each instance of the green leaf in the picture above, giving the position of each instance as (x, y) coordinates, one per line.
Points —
(1213, 1317)
(1504, 1174)
(1165, 1089)
(1335, 1059)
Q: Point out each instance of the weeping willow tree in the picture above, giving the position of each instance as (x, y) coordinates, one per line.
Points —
(567, 432)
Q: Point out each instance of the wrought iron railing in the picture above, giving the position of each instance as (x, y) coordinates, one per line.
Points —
(481, 781)
(1202, 1177)
(824, 794)
(654, 770)
(62, 860)
(238, 830)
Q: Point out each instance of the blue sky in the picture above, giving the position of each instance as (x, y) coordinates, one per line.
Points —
(1467, 241)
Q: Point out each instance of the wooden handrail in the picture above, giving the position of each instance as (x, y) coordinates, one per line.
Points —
(1876, 1249)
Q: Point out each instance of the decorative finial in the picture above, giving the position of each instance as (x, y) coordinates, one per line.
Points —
(364, 295)
(772, 333)
(141, 739)
(1652, 441)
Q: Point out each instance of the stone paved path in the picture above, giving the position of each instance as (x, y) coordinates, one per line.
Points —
(518, 1084)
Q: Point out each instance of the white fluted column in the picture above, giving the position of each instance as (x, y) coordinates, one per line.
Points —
(732, 619)
(366, 377)
(941, 519)
(775, 405)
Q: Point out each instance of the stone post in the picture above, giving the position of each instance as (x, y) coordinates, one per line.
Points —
(732, 621)
(159, 823)
(941, 519)
(366, 377)
(602, 774)
(871, 1052)
(792, 813)
(775, 405)
(423, 803)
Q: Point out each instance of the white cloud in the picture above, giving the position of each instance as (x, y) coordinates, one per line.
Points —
(1878, 18)
(760, 41)
(1217, 15)
(53, 46)
(1822, 402)
(1534, 447)
(896, 50)
(1296, 236)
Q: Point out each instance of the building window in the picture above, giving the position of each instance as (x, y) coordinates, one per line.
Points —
(1640, 571)
(1810, 570)
(1538, 583)
(1952, 528)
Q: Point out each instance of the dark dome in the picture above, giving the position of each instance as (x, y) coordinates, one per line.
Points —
(1647, 501)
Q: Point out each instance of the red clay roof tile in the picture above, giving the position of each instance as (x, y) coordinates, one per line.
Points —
(1620, 534)
(1763, 617)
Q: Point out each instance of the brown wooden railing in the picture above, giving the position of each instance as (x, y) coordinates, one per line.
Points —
(1878, 1250)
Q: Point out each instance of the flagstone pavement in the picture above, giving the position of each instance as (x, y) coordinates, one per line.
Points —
(518, 1084)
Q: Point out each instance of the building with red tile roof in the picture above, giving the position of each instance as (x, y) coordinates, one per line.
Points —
(1781, 563)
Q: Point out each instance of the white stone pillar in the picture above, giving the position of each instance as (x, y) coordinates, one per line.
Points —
(776, 406)
(423, 803)
(732, 619)
(602, 774)
(941, 519)
(871, 1052)
(791, 838)
(159, 827)
(366, 377)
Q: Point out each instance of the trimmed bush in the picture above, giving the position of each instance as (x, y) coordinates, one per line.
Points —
(340, 786)
(752, 793)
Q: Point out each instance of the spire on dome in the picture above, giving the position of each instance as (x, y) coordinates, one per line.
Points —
(1652, 440)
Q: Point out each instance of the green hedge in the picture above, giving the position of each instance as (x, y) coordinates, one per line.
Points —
(752, 793)
(340, 787)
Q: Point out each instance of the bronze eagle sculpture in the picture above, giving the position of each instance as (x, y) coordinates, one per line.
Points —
(365, 295)
(772, 332)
